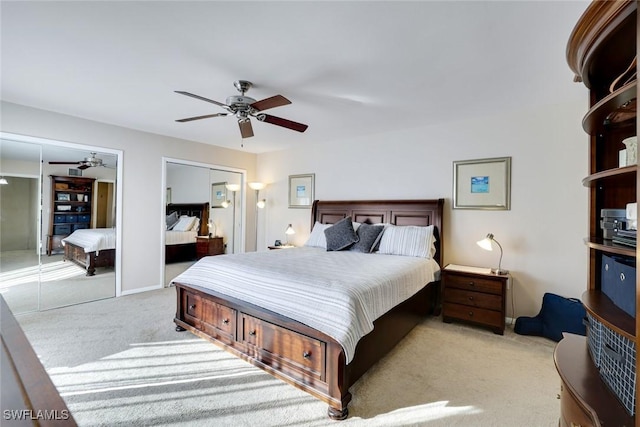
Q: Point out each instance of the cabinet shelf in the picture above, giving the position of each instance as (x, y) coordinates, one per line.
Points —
(580, 375)
(620, 101)
(614, 173)
(606, 312)
(608, 246)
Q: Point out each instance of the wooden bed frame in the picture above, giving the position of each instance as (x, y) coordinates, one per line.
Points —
(187, 251)
(302, 356)
(89, 260)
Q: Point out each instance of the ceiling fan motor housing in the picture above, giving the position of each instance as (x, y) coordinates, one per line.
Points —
(239, 102)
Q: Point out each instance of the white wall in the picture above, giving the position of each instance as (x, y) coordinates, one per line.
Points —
(142, 175)
(542, 235)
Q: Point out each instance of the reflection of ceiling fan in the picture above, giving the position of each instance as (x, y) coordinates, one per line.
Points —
(88, 162)
(244, 107)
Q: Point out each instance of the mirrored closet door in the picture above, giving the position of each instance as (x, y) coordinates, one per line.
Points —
(52, 192)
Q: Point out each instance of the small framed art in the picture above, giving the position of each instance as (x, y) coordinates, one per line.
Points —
(218, 194)
(482, 184)
(301, 190)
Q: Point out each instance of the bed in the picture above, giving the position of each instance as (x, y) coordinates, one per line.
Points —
(91, 248)
(294, 351)
(181, 245)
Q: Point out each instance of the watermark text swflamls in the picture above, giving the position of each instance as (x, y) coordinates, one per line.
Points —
(30, 414)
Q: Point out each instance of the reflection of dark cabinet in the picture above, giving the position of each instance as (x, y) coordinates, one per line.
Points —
(70, 208)
(209, 246)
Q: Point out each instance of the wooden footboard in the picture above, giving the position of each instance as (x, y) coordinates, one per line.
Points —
(291, 351)
(89, 261)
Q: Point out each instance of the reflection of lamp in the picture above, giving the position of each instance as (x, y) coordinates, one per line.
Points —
(288, 232)
(233, 188)
(3, 181)
(260, 204)
(213, 225)
(487, 246)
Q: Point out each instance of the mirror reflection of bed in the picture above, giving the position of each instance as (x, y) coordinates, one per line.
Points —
(198, 191)
(30, 280)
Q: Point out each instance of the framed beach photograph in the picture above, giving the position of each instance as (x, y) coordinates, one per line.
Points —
(482, 184)
(301, 190)
(218, 194)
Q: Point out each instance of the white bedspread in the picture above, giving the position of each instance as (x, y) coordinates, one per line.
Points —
(93, 239)
(338, 293)
(180, 237)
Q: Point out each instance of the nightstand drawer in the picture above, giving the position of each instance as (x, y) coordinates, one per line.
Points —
(476, 284)
(475, 299)
(473, 314)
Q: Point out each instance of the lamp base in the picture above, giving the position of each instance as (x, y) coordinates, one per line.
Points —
(499, 272)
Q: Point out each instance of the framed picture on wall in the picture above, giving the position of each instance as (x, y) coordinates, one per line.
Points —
(482, 184)
(301, 190)
(218, 194)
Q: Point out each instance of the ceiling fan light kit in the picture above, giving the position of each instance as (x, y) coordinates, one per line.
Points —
(244, 107)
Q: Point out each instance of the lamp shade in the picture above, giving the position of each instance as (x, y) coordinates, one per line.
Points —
(3, 181)
(487, 245)
(257, 185)
(233, 187)
(290, 230)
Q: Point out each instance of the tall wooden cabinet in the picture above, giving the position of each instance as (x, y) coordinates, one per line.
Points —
(70, 208)
(602, 46)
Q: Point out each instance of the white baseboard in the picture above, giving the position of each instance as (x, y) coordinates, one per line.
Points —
(137, 291)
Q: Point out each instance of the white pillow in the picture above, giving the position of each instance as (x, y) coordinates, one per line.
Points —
(317, 239)
(408, 240)
(185, 223)
(196, 225)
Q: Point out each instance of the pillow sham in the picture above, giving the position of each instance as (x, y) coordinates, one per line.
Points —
(196, 225)
(317, 238)
(185, 223)
(341, 235)
(408, 240)
(368, 237)
(172, 219)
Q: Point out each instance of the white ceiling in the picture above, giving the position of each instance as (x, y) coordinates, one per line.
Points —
(349, 68)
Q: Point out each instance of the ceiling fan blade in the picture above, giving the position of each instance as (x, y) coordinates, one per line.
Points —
(201, 117)
(246, 130)
(83, 167)
(200, 98)
(279, 121)
(65, 163)
(274, 101)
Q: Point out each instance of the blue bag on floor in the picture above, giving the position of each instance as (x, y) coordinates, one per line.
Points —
(558, 315)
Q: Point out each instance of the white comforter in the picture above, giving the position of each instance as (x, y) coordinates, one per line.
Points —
(338, 293)
(93, 239)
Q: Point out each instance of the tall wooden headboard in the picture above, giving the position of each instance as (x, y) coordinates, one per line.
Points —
(398, 212)
(200, 210)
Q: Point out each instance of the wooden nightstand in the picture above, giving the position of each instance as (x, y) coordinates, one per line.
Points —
(474, 295)
(208, 246)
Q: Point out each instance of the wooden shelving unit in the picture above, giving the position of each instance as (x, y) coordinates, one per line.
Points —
(601, 47)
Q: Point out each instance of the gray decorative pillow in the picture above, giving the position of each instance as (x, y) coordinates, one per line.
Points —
(369, 236)
(172, 219)
(340, 235)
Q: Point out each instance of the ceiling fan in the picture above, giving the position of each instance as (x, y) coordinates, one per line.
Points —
(244, 107)
(88, 162)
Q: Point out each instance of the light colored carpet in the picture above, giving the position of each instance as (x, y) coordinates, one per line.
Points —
(119, 362)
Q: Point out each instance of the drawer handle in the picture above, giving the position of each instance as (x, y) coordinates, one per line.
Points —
(612, 353)
(192, 307)
(472, 283)
(252, 333)
(471, 298)
(225, 321)
(306, 355)
(471, 314)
